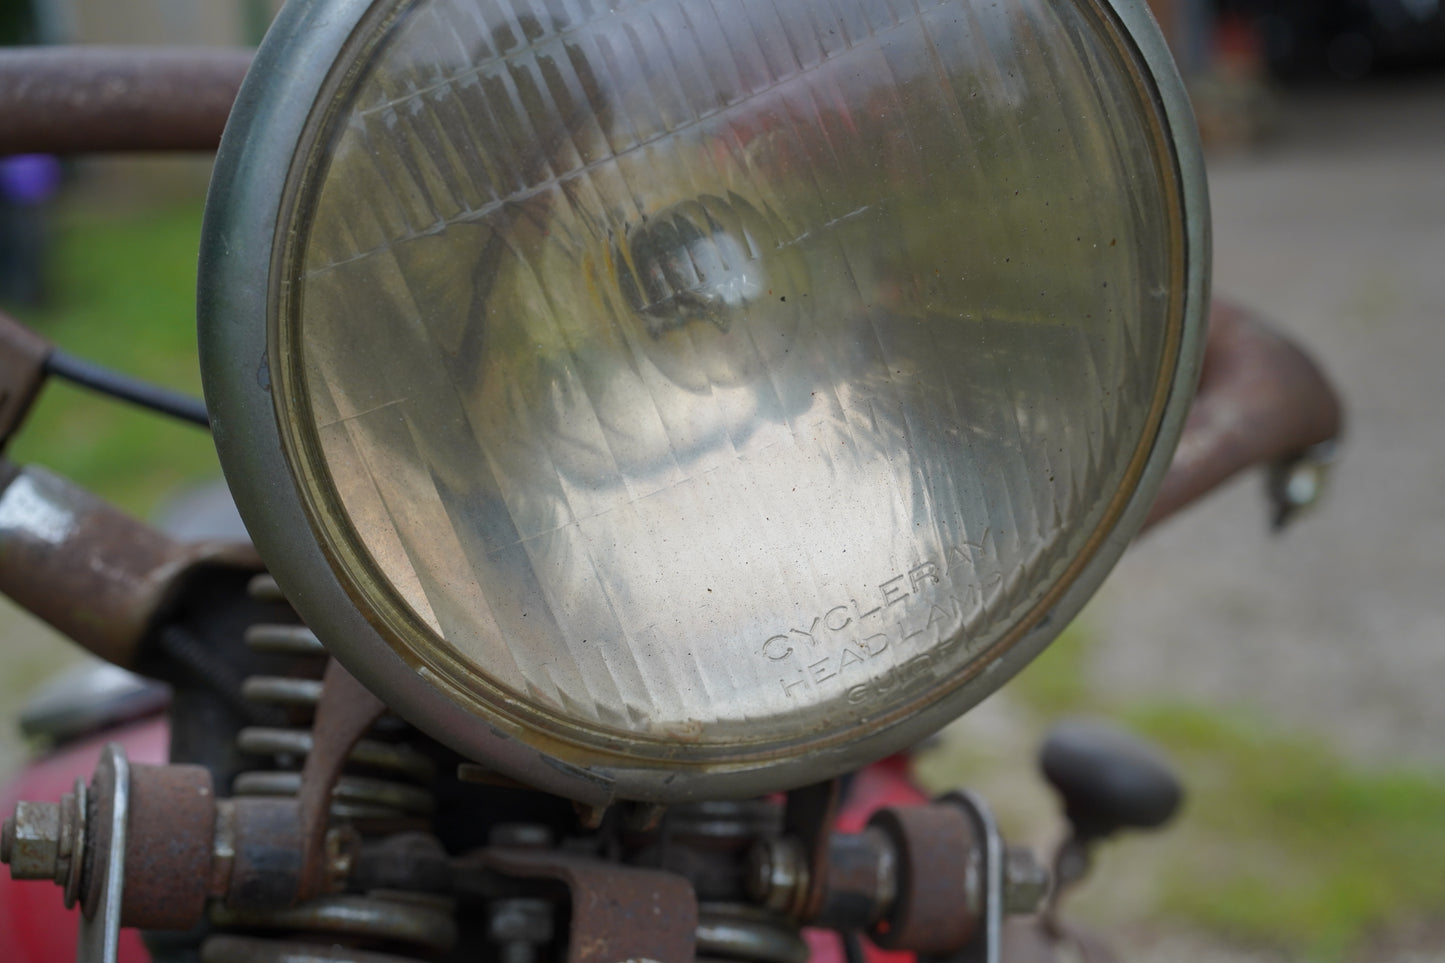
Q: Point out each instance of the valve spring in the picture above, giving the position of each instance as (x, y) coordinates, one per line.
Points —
(729, 930)
(725, 822)
(747, 934)
(385, 789)
(337, 929)
(390, 784)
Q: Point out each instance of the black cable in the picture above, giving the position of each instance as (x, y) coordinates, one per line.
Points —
(89, 375)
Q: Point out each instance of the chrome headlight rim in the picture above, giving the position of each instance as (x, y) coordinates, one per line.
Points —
(241, 276)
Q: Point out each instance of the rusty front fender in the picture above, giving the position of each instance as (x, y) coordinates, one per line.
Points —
(1262, 400)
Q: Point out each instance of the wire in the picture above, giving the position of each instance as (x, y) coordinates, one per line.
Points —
(107, 382)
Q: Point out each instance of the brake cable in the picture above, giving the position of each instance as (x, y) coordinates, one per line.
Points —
(98, 378)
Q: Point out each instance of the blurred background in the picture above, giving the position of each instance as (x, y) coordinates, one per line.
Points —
(1295, 677)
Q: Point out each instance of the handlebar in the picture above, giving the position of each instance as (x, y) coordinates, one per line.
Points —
(92, 99)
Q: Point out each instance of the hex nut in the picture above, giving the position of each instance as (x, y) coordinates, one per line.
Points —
(32, 840)
(1026, 881)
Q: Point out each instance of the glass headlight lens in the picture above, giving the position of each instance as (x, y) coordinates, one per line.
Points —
(707, 385)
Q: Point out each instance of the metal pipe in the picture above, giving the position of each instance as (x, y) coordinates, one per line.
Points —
(101, 577)
(90, 99)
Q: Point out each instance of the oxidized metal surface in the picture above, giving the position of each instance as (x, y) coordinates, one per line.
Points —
(61, 100)
(618, 912)
(93, 572)
(1260, 399)
(345, 711)
(939, 902)
(266, 867)
(809, 817)
(43, 840)
(22, 366)
(169, 845)
(986, 862)
(30, 841)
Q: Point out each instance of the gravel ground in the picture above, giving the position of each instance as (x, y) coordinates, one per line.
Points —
(1336, 229)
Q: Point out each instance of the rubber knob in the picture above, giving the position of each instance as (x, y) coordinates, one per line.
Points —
(1109, 780)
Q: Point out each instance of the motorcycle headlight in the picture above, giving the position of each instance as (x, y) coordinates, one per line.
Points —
(699, 397)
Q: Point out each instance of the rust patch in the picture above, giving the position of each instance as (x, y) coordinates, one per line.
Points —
(618, 912)
(169, 841)
(65, 100)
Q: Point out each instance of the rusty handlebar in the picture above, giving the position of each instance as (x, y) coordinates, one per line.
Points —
(1261, 398)
(84, 99)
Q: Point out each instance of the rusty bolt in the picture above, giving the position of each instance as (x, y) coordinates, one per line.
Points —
(45, 840)
(32, 840)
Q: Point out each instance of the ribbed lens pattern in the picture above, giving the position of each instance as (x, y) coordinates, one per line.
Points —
(723, 371)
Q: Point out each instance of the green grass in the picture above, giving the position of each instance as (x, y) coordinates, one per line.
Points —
(1332, 852)
(1283, 842)
(122, 289)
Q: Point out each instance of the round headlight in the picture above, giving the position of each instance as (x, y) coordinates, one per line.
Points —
(691, 397)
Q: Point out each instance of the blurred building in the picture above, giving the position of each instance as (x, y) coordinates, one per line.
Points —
(226, 22)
